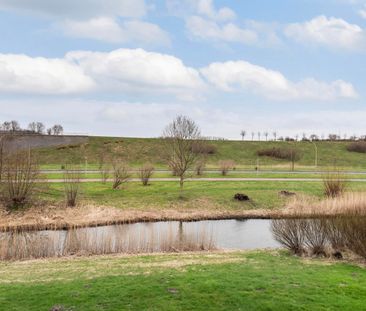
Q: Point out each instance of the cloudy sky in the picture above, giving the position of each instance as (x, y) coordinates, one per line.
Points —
(127, 67)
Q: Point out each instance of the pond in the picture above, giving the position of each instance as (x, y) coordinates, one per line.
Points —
(139, 238)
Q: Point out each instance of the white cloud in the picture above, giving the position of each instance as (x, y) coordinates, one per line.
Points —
(109, 30)
(331, 32)
(207, 8)
(240, 75)
(24, 74)
(362, 12)
(137, 69)
(210, 30)
(141, 73)
(79, 8)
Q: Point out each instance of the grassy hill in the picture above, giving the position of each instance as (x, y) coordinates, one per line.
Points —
(139, 150)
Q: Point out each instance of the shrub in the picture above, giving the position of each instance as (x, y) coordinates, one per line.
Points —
(290, 154)
(120, 175)
(145, 173)
(204, 148)
(200, 167)
(71, 186)
(225, 166)
(19, 186)
(353, 230)
(315, 236)
(334, 185)
(359, 146)
(290, 233)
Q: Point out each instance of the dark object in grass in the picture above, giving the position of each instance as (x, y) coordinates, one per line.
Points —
(241, 197)
(286, 193)
(337, 255)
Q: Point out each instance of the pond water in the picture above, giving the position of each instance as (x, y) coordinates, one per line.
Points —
(140, 238)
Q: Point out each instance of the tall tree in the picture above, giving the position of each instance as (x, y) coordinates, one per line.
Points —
(182, 139)
(243, 133)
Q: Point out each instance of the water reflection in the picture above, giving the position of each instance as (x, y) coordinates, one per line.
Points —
(139, 238)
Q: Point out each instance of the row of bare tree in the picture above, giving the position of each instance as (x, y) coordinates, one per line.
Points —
(304, 137)
(33, 127)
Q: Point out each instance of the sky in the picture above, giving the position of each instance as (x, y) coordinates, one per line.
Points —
(128, 67)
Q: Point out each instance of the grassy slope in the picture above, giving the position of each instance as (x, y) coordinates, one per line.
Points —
(137, 151)
(218, 281)
(197, 194)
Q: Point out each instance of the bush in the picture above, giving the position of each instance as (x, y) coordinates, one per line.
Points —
(200, 167)
(280, 153)
(315, 236)
(145, 173)
(225, 166)
(19, 186)
(71, 186)
(359, 146)
(334, 185)
(204, 148)
(120, 175)
(290, 233)
(353, 230)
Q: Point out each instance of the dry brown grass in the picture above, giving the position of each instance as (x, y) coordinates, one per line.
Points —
(349, 202)
(61, 217)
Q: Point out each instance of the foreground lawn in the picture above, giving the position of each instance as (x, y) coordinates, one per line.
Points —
(260, 280)
(197, 194)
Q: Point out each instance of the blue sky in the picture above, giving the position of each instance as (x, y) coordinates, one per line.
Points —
(127, 67)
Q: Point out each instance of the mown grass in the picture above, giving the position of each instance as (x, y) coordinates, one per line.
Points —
(217, 281)
(213, 174)
(139, 150)
(197, 194)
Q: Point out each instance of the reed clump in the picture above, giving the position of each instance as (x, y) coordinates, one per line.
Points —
(334, 184)
(331, 226)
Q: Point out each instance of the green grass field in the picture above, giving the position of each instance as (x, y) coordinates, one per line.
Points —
(197, 194)
(207, 281)
(139, 150)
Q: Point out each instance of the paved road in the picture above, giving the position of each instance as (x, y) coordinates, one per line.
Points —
(211, 179)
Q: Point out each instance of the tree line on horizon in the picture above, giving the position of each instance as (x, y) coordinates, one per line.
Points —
(13, 126)
(304, 137)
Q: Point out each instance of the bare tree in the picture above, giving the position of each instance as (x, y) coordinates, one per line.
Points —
(40, 128)
(259, 136)
(105, 172)
(225, 166)
(145, 173)
(3, 152)
(243, 133)
(14, 126)
(181, 137)
(253, 136)
(200, 167)
(32, 127)
(6, 126)
(294, 155)
(71, 186)
(121, 174)
(57, 129)
(21, 172)
(274, 135)
(49, 131)
(266, 135)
